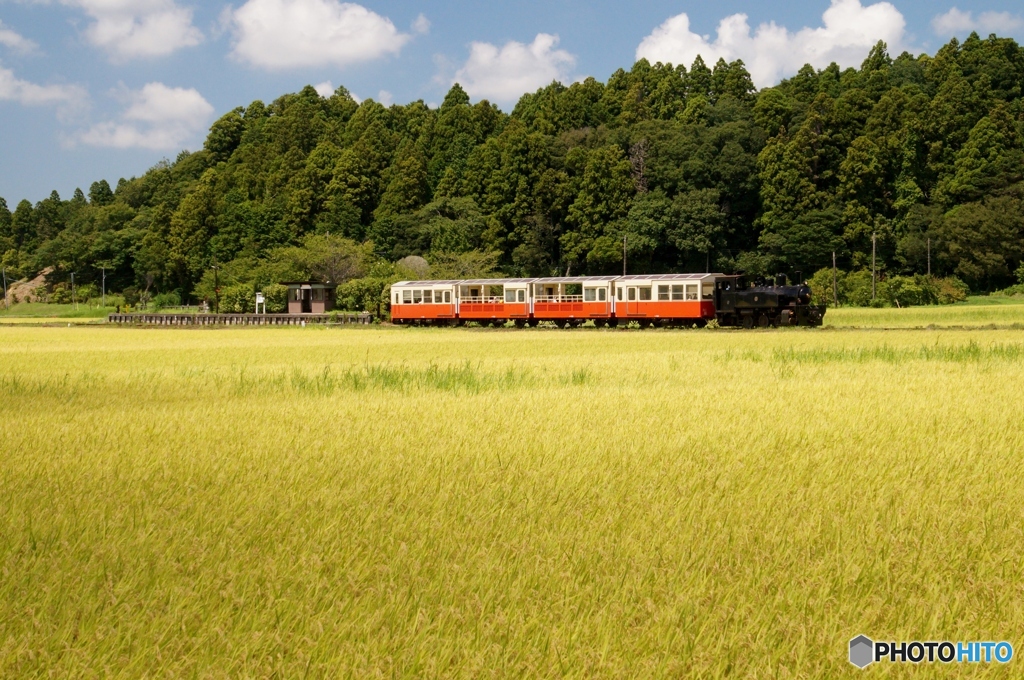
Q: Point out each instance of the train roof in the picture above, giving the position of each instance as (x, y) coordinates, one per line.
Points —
(667, 277)
(576, 279)
(444, 282)
(459, 282)
(560, 279)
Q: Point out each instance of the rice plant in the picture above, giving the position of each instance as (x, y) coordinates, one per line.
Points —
(448, 503)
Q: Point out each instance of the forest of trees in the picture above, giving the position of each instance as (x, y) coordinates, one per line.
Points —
(692, 165)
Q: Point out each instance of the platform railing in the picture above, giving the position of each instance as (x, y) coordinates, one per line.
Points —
(491, 300)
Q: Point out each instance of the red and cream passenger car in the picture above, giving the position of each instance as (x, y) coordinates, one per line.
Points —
(655, 297)
(565, 300)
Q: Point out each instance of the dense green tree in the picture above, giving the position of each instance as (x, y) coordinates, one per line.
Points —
(100, 193)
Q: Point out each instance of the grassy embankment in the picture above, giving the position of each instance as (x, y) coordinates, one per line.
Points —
(421, 503)
(34, 312)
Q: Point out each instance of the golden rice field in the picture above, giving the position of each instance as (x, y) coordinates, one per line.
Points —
(419, 503)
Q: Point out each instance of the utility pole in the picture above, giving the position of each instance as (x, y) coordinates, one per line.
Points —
(623, 254)
(929, 257)
(835, 285)
(6, 304)
(873, 275)
(74, 298)
(216, 291)
(104, 288)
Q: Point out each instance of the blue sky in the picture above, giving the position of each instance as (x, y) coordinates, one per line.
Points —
(102, 89)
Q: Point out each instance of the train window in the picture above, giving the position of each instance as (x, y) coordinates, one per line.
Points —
(691, 291)
(709, 291)
(447, 296)
(632, 293)
(474, 292)
(589, 294)
(407, 296)
(663, 292)
(428, 297)
(521, 296)
(677, 291)
(618, 293)
(510, 296)
(645, 293)
(417, 296)
(602, 294)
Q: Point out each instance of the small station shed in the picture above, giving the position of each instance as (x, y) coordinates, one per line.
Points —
(310, 297)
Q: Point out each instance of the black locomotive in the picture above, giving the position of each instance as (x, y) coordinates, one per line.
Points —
(765, 303)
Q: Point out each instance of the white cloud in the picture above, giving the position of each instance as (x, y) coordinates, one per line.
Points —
(13, 40)
(157, 117)
(505, 74)
(279, 34)
(128, 29)
(324, 89)
(385, 98)
(956, 22)
(421, 25)
(69, 99)
(772, 52)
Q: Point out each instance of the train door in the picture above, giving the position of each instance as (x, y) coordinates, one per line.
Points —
(632, 305)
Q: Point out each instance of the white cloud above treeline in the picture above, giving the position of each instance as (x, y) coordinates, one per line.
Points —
(771, 52)
(131, 29)
(505, 73)
(26, 93)
(156, 117)
(956, 22)
(13, 40)
(282, 34)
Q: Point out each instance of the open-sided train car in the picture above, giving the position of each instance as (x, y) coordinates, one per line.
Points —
(648, 299)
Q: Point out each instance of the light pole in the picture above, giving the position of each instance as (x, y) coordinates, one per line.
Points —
(6, 304)
(74, 298)
(103, 295)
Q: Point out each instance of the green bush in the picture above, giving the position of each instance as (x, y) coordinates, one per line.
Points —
(238, 299)
(163, 300)
(951, 289)
(904, 291)
(60, 295)
(276, 297)
(364, 295)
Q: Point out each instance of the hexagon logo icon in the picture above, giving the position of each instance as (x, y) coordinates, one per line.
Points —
(862, 651)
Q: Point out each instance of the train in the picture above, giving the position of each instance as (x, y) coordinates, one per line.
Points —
(664, 300)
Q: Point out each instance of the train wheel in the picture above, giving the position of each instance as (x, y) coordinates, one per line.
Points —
(762, 321)
(520, 323)
(645, 324)
(748, 321)
(600, 323)
(533, 322)
(612, 323)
